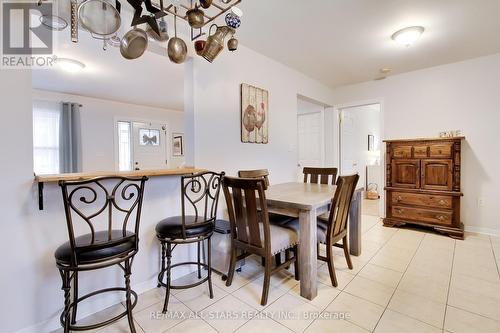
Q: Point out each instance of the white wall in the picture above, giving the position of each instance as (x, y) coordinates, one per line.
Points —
(464, 96)
(216, 112)
(32, 298)
(98, 118)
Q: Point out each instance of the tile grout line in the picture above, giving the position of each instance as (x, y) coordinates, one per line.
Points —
(399, 282)
(449, 284)
(342, 290)
(494, 256)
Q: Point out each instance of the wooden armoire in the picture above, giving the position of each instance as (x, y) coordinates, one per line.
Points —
(423, 184)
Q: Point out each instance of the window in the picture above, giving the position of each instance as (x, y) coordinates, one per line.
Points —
(46, 122)
(124, 146)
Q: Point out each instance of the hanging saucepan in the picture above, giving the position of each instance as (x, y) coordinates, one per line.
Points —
(177, 48)
(134, 43)
(196, 17)
(100, 17)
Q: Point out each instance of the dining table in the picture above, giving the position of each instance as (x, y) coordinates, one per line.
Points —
(307, 201)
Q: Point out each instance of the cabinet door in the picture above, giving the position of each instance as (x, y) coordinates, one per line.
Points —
(437, 175)
(406, 173)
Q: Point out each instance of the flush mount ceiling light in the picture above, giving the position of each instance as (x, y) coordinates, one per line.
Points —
(69, 65)
(408, 35)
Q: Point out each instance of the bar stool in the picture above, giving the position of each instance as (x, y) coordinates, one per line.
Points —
(107, 200)
(199, 200)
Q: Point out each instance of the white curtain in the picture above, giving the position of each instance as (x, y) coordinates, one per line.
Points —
(46, 124)
(56, 137)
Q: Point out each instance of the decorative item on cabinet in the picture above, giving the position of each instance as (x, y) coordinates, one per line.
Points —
(423, 184)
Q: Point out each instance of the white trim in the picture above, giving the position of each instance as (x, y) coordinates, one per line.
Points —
(482, 230)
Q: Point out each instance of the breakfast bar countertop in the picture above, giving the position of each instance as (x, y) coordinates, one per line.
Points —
(54, 178)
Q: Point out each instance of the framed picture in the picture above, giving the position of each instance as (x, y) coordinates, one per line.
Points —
(149, 137)
(254, 114)
(371, 142)
(177, 144)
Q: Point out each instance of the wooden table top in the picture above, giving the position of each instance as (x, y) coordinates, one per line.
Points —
(303, 196)
(139, 173)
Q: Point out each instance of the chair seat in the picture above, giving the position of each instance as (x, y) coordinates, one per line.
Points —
(171, 227)
(321, 229)
(281, 238)
(102, 252)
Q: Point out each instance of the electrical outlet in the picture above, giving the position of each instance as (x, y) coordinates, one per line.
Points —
(480, 202)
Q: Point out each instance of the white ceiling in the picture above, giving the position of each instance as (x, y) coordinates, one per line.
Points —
(342, 42)
(151, 80)
(338, 42)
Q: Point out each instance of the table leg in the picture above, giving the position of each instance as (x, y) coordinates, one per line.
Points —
(355, 224)
(308, 265)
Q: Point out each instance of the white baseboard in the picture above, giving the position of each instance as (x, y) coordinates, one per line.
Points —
(484, 231)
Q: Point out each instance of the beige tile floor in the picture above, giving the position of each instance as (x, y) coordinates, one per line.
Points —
(405, 281)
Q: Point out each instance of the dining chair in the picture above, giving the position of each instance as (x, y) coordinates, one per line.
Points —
(199, 201)
(254, 235)
(110, 207)
(274, 218)
(331, 231)
(320, 175)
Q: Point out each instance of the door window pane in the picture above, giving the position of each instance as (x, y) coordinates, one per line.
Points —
(124, 146)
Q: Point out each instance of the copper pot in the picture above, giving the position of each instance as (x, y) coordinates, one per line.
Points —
(199, 46)
(205, 3)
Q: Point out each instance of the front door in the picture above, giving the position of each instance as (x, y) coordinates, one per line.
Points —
(150, 146)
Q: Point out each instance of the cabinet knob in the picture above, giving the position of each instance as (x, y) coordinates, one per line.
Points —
(398, 210)
(440, 217)
(398, 198)
(442, 202)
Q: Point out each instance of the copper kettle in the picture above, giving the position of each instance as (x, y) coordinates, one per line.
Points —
(215, 42)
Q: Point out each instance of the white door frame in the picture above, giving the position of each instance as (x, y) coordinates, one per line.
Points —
(131, 120)
(337, 108)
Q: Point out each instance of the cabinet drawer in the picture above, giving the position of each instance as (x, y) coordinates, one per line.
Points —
(440, 150)
(402, 152)
(420, 151)
(435, 201)
(422, 215)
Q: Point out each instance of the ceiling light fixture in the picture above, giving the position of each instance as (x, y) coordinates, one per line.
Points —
(408, 35)
(69, 65)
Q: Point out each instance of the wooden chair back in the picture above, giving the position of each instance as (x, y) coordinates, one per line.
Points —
(341, 203)
(321, 175)
(244, 196)
(259, 173)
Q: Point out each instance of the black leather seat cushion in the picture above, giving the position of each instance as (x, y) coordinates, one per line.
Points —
(171, 227)
(102, 251)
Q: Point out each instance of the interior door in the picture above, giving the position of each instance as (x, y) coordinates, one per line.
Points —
(437, 175)
(349, 147)
(310, 137)
(406, 173)
(150, 146)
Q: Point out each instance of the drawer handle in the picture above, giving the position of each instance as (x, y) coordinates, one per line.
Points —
(440, 217)
(442, 202)
(398, 198)
(398, 210)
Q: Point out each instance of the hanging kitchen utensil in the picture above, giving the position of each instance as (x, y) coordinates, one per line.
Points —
(53, 22)
(150, 18)
(74, 21)
(177, 48)
(205, 3)
(163, 36)
(134, 43)
(196, 17)
(100, 17)
(232, 44)
(215, 42)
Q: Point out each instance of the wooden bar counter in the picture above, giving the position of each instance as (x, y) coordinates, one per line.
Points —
(42, 179)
